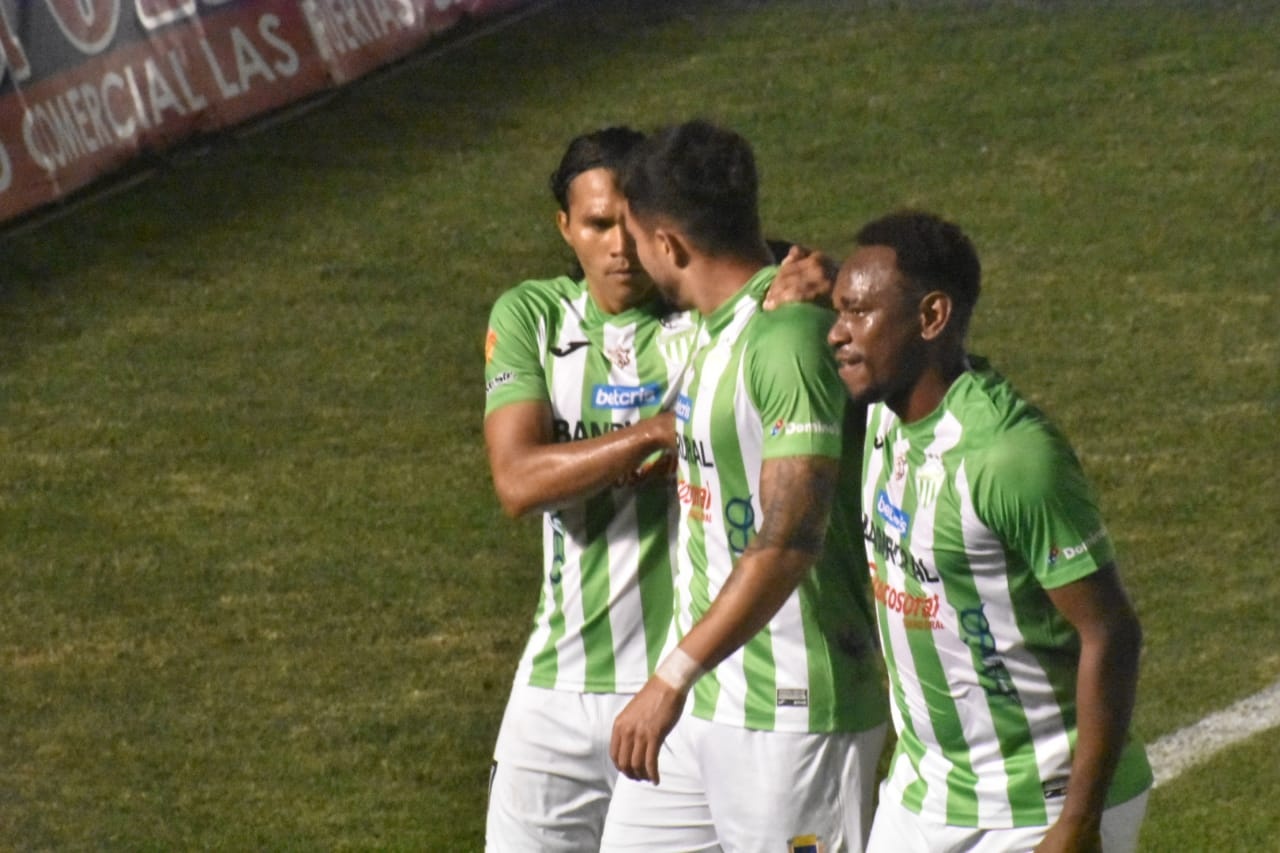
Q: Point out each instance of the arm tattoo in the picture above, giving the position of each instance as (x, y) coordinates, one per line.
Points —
(795, 496)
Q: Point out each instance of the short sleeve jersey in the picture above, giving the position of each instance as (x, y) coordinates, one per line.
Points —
(970, 515)
(605, 607)
(763, 386)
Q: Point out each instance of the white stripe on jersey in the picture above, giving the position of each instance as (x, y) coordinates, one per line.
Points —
(1029, 679)
(992, 788)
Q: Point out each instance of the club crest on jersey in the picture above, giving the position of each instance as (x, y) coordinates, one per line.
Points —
(490, 344)
(897, 484)
(929, 480)
(625, 396)
(620, 356)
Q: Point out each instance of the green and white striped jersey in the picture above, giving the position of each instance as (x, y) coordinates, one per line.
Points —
(605, 608)
(763, 386)
(970, 514)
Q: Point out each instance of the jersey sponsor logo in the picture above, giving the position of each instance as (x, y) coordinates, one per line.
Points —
(572, 346)
(625, 396)
(806, 844)
(696, 498)
(992, 673)
(892, 550)
(1073, 551)
(892, 515)
(740, 519)
(564, 430)
(498, 381)
(693, 451)
(793, 697)
(490, 344)
(684, 408)
(919, 612)
(781, 427)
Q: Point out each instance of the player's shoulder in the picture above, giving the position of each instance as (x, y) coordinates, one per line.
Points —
(1008, 436)
(793, 324)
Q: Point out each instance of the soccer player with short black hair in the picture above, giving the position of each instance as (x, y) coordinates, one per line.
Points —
(1011, 646)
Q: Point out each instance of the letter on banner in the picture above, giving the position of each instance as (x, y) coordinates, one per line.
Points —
(156, 13)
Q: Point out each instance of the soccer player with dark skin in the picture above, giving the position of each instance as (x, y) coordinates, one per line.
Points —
(904, 300)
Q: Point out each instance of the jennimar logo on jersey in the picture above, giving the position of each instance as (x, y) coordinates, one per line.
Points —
(625, 396)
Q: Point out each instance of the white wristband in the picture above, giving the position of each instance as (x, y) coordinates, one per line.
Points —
(679, 671)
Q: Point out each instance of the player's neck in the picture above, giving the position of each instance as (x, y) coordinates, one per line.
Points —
(717, 279)
(617, 298)
(930, 388)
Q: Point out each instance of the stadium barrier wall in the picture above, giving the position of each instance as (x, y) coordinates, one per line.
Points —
(87, 87)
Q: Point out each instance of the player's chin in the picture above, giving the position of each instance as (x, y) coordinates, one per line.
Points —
(855, 380)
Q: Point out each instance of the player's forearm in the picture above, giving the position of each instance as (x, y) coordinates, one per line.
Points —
(1106, 689)
(548, 476)
(756, 589)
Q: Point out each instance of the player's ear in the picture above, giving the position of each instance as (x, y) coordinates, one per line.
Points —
(562, 222)
(935, 314)
(674, 247)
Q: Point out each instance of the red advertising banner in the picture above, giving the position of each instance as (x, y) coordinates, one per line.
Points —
(86, 86)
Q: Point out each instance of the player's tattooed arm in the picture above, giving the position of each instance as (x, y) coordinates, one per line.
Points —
(796, 494)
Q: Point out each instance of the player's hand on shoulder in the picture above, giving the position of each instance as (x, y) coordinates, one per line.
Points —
(803, 276)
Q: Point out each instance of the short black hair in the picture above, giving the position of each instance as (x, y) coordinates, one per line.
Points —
(932, 253)
(701, 177)
(607, 148)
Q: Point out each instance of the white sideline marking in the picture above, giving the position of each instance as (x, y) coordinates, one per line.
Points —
(1175, 753)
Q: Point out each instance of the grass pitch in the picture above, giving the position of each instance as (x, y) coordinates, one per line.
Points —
(257, 593)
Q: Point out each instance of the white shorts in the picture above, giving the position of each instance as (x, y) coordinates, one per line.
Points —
(552, 776)
(897, 829)
(732, 789)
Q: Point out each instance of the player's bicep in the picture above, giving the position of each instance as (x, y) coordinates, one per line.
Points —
(796, 493)
(512, 431)
(1097, 605)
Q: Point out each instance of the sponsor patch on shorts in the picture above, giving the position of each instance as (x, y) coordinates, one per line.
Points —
(793, 697)
(805, 844)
